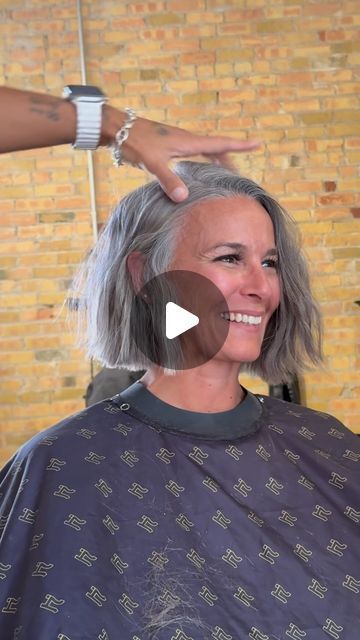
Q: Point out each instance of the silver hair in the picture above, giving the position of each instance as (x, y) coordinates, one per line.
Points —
(148, 222)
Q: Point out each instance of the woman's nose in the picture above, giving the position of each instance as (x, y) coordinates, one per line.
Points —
(256, 282)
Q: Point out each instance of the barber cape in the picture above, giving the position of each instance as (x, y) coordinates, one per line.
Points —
(135, 520)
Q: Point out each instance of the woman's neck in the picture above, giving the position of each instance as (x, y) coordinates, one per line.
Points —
(198, 389)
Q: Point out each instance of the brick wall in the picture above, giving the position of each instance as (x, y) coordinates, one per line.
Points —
(283, 71)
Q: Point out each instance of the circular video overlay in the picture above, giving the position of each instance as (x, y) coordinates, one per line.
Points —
(176, 320)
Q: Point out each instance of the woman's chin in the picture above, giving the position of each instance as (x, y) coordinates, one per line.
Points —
(237, 356)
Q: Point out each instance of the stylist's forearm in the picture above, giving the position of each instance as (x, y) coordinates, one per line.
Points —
(30, 120)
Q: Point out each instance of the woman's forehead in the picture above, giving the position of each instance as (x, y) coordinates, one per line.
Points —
(233, 215)
(232, 203)
(212, 226)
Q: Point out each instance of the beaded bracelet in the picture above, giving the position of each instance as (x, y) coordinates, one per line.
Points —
(121, 136)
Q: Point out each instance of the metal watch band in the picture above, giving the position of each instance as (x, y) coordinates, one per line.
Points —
(88, 125)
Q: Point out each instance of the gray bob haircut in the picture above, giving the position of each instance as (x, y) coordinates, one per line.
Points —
(147, 221)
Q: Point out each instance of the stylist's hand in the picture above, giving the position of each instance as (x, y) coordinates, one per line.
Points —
(152, 145)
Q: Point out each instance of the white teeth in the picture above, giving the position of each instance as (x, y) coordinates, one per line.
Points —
(241, 317)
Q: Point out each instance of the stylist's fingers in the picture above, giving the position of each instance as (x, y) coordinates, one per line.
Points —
(173, 142)
(173, 186)
(216, 146)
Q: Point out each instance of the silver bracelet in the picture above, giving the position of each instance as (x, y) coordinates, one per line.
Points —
(121, 136)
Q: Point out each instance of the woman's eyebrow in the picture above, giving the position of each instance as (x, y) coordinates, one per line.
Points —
(228, 245)
(240, 248)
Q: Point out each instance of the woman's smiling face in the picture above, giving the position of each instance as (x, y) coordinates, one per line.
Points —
(231, 242)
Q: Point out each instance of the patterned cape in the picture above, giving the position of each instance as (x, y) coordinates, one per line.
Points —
(116, 526)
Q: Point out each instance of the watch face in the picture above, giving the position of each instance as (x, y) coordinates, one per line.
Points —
(74, 90)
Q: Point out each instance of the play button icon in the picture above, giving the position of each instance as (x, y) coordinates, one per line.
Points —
(177, 321)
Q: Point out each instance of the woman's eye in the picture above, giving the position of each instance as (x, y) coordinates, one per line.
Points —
(271, 263)
(230, 258)
(235, 258)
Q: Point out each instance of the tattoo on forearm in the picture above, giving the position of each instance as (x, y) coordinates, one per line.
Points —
(161, 130)
(47, 107)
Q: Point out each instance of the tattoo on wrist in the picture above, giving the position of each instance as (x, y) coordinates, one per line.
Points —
(46, 106)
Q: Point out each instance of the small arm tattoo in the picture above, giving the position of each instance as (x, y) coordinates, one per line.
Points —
(161, 130)
(46, 106)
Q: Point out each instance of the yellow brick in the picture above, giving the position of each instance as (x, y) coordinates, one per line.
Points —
(117, 36)
(313, 132)
(331, 213)
(262, 66)
(205, 71)
(351, 227)
(135, 48)
(342, 102)
(262, 80)
(97, 25)
(202, 97)
(17, 357)
(16, 329)
(69, 394)
(35, 396)
(297, 202)
(353, 157)
(16, 191)
(161, 19)
(279, 65)
(201, 31)
(236, 125)
(240, 27)
(203, 17)
(331, 280)
(51, 298)
(275, 26)
(229, 96)
(275, 120)
(161, 101)
(8, 316)
(346, 115)
(317, 117)
(182, 86)
(302, 186)
(33, 410)
(234, 55)
(350, 129)
(349, 185)
(242, 68)
(300, 105)
(185, 5)
(11, 344)
(21, 178)
(8, 233)
(224, 69)
(300, 63)
(317, 227)
(10, 386)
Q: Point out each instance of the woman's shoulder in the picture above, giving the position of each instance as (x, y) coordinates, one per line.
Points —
(78, 436)
(317, 428)
(292, 412)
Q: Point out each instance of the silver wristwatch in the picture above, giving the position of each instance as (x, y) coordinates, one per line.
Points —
(89, 102)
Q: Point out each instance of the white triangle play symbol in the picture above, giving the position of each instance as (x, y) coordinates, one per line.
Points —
(178, 320)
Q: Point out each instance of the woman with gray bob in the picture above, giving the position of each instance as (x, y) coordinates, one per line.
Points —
(187, 507)
(150, 225)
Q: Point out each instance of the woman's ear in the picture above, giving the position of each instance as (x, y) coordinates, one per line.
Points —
(135, 263)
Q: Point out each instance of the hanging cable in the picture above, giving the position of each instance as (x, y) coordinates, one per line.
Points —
(90, 160)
